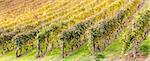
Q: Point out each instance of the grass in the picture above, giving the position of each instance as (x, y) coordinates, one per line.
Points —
(81, 54)
(145, 46)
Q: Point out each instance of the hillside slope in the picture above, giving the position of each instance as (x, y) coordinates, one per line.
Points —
(74, 30)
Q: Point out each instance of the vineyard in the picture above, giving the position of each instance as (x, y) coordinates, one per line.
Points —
(75, 30)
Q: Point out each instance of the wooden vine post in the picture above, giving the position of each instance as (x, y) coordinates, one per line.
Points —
(18, 47)
(38, 48)
(63, 42)
(93, 46)
(92, 43)
(17, 51)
